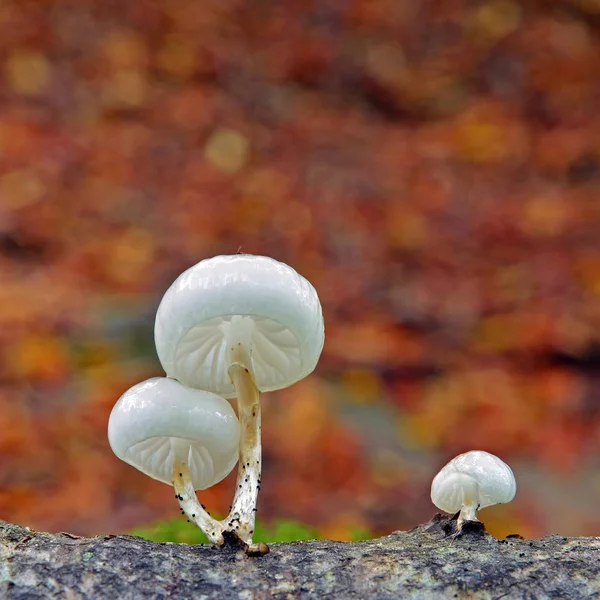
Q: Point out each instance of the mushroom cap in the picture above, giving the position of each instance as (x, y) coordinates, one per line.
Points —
(254, 300)
(159, 421)
(493, 479)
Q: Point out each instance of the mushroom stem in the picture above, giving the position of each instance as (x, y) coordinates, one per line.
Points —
(467, 513)
(470, 499)
(242, 515)
(186, 496)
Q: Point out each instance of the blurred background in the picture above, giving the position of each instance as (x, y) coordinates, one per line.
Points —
(432, 167)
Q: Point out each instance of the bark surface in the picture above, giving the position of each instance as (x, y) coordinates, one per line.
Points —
(427, 562)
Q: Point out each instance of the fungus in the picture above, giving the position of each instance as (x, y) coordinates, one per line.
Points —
(183, 437)
(237, 326)
(471, 481)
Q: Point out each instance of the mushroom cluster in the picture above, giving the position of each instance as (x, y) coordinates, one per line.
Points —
(228, 327)
(233, 327)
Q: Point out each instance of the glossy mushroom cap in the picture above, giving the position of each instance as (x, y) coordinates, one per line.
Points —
(160, 421)
(252, 300)
(476, 476)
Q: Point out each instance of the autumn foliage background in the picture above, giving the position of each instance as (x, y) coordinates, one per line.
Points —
(433, 168)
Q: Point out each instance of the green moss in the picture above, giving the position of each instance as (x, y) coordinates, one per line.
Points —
(361, 534)
(172, 530)
(278, 530)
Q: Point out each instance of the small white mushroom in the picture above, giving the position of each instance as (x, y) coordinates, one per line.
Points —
(183, 437)
(236, 326)
(472, 481)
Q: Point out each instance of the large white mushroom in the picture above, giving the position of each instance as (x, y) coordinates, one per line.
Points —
(236, 326)
(470, 482)
(183, 437)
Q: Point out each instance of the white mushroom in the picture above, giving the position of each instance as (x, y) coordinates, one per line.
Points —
(236, 326)
(183, 437)
(472, 481)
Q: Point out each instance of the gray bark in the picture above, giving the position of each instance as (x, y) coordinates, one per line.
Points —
(426, 562)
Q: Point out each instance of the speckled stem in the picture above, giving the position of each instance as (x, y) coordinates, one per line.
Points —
(193, 510)
(239, 524)
(243, 509)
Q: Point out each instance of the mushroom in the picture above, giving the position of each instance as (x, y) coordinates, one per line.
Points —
(236, 326)
(471, 481)
(183, 437)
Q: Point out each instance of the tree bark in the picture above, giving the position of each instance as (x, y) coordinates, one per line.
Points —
(427, 562)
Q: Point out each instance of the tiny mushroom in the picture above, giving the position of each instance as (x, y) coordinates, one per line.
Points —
(472, 481)
(236, 326)
(183, 437)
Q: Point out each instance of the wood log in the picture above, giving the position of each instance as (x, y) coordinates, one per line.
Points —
(426, 562)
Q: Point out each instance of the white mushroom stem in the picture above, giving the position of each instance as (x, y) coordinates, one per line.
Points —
(242, 515)
(470, 498)
(243, 509)
(468, 513)
(193, 510)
